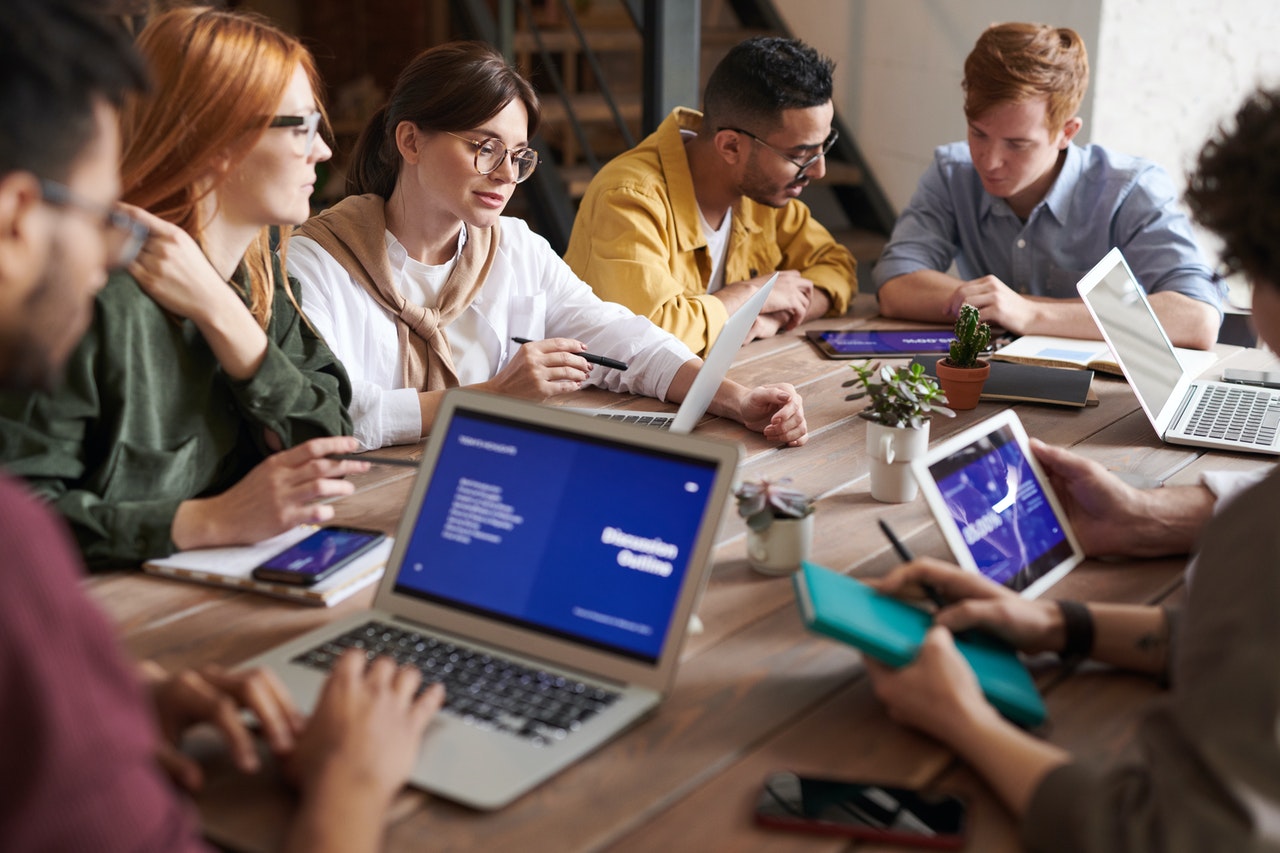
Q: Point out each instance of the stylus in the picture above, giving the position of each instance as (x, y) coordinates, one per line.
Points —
(601, 360)
(905, 554)
(374, 460)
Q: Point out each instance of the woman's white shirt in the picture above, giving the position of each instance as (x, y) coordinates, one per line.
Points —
(530, 292)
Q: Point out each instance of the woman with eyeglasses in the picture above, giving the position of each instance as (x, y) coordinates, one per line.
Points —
(419, 284)
(200, 408)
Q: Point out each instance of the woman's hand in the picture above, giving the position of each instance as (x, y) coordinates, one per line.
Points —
(777, 412)
(281, 492)
(173, 270)
(542, 369)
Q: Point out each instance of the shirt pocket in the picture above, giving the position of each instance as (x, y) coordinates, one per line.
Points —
(528, 317)
(138, 473)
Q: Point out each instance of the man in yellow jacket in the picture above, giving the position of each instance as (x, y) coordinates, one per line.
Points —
(687, 225)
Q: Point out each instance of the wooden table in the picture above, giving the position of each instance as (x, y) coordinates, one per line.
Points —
(755, 692)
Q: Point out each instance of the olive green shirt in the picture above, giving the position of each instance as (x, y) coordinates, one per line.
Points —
(146, 419)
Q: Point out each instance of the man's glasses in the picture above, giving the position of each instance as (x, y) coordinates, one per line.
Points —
(306, 125)
(125, 235)
(491, 152)
(802, 165)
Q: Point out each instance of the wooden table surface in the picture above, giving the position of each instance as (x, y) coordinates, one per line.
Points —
(755, 692)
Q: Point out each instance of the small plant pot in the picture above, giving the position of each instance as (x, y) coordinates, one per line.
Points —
(891, 450)
(962, 385)
(779, 548)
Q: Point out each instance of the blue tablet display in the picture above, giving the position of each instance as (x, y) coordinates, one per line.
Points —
(1000, 508)
(888, 343)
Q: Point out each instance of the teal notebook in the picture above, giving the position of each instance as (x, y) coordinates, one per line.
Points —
(891, 631)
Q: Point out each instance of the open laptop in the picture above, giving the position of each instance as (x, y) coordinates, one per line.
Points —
(545, 569)
(714, 368)
(1183, 409)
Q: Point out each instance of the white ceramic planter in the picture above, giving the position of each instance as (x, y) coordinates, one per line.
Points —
(779, 548)
(891, 450)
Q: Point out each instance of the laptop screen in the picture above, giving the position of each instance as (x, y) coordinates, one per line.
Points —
(576, 536)
(1135, 336)
(999, 506)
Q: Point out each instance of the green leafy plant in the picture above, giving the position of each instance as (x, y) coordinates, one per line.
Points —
(972, 337)
(761, 501)
(905, 396)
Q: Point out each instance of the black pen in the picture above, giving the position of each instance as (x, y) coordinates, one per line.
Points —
(905, 554)
(374, 460)
(601, 360)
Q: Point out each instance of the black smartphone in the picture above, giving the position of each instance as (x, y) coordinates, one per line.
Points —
(1264, 378)
(318, 556)
(862, 810)
(887, 344)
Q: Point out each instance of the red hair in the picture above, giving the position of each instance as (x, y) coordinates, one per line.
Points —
(218, 78)
(1012, 63)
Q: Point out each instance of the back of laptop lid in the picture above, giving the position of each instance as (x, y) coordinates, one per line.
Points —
(574, 540)
(703, 389)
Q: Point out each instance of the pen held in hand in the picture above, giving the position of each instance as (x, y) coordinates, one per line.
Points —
(905, 554)
(374, 460)
(601, 360)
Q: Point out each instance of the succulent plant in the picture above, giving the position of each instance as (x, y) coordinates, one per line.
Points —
(761, 501)
(971, 340)
(905, 396)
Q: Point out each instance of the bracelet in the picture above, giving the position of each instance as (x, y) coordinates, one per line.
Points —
(1077, 623)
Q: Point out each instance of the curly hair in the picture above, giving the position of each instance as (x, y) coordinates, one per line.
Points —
(1011, 63)
(761, 77)
(1234, 190)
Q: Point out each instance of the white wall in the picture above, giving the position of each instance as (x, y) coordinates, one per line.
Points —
(1164, 72)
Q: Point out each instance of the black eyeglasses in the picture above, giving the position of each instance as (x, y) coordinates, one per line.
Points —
(307, 125)
(801, 165)
(125, 235)
(491, 152)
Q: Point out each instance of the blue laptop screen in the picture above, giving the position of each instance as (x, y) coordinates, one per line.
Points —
(1012, 532)
(576, 536)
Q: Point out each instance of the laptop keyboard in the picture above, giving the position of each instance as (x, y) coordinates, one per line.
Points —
(658, 421)
(1236, 414)
(484, 690)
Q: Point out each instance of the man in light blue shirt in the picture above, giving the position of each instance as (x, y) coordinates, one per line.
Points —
(1024, 212)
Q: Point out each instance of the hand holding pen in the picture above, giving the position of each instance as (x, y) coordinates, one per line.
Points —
(601, 360)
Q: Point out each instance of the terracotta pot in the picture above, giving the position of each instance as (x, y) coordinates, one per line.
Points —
(891, 450)
(962, 385)
(779, 548)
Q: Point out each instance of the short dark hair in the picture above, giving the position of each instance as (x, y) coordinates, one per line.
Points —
(1235, 189)
(761, 77)
(57, 57)
(451, 87)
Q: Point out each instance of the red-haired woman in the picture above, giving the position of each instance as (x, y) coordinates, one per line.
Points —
(199, 365)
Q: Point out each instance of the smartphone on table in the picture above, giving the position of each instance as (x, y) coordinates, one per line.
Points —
(863, 810)
(318, 556)
(1262, 378)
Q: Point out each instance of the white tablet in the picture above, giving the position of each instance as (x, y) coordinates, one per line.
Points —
(996, 508)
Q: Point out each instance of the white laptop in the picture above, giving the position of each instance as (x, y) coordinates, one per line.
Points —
(545, 569)
(1183, 409)
(703, 389)
(996, 508)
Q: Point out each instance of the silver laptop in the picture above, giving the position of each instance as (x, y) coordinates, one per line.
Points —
(1183, 409)
(545, 569)
(703, 389)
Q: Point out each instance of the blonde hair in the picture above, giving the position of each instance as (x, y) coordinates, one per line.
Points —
(218, 77)
(1012, 63)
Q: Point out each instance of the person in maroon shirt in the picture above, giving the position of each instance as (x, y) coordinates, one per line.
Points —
(82, 764)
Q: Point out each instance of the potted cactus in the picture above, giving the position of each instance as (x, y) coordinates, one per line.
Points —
(901, 404)
(779, 525)
(962, 373)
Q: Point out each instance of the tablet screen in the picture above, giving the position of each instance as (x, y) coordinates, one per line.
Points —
(1001, 510)
(888, 343)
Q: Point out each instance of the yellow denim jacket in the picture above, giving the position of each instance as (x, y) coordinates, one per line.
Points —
(638, 240)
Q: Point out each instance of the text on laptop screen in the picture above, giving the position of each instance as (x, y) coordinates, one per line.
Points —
(1136, 336)
(572, 535)
(1001, 511)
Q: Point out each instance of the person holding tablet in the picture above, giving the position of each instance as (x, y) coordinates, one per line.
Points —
(200, 408)
(1206, 774)
(1024, 212)
(420, 284)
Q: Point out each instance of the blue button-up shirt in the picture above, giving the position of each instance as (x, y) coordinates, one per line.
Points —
(1100, 200)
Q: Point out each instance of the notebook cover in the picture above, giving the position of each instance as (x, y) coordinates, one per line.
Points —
(1030, 383)
(891, 631)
